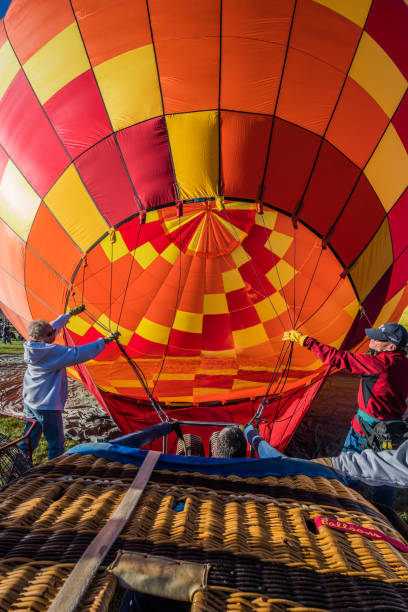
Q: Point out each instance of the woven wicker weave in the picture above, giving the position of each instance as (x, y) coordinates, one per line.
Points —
(33, 586)
(257, 534)
(222, 600)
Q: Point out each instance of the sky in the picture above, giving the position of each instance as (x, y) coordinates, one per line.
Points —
(3, 7)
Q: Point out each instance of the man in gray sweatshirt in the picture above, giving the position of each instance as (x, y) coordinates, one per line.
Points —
(45, 383)
(382, 468)
(387, 467)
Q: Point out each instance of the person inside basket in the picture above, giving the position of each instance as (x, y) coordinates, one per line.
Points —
(384, 381)
(45, 381)
(230, 443)
(374, 468)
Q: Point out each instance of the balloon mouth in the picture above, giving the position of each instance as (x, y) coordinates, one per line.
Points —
(207, 231)
(202, 300)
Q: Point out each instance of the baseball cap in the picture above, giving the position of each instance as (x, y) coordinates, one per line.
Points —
(389, 332)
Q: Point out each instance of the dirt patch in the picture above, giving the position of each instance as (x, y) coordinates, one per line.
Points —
(84, 419)
(324, 428)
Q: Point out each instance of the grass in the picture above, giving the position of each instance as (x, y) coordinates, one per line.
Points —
(401, 503)
(15, 348)
(13, 428)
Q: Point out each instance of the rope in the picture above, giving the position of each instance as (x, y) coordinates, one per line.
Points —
(308, 288)
(112, 237)
(130, 270)
(140, 376)
(281, 357)
(300, 325)
(321, 305)
(287, 397)
(136, 369)
(294, 267)
(280, 385)
(281, 382)
(278, 391)
(256, 273)
(289, 419)
(268, 236)
(96, 321)
(85, 263)
(364, 314)
(174, 314)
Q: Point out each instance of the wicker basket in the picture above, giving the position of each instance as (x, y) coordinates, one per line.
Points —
(257, 534)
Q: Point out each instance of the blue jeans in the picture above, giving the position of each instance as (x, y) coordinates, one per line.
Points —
(356, 443)
(49, 422)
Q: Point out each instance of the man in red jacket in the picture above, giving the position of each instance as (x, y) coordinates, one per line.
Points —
(384, 379)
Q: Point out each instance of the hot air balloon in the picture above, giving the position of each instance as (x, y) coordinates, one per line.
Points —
(203, 176)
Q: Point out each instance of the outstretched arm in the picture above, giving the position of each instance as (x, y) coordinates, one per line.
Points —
(355, 363)
(65, 356)
(261, 446)
(62, 320)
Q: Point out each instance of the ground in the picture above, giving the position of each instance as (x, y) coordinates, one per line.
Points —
(84, 419)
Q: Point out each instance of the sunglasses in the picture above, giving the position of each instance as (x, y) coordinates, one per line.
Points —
(54, 331)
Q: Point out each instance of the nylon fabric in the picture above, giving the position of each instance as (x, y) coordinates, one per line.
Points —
(205, 176)
(220, 467)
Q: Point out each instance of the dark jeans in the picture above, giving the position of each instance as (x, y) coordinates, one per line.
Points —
(356, 443)
(49, 422)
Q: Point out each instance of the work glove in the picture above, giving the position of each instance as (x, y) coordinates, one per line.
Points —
(112, 336)
(77, 310)
(294, 336)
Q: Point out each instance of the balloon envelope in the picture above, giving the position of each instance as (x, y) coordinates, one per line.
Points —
(204, 176)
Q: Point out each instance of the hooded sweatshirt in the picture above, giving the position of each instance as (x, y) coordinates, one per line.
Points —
(45, 381)
(387, 467)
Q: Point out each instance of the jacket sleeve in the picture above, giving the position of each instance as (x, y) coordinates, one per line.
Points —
(375, 468)
(65, 356)
(355, 363)
(263, 448)
(60, 322)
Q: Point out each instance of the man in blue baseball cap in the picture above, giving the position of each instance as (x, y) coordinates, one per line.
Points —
(384, 380)
(389, 332)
